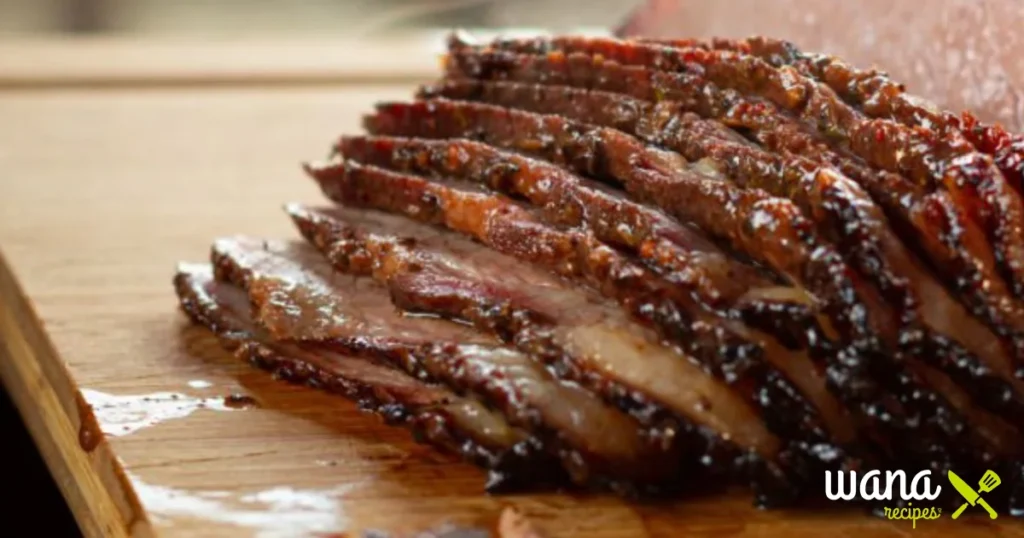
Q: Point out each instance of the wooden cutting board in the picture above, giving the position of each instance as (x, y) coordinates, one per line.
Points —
(101, 194)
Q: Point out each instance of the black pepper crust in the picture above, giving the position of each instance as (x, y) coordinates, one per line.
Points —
(964, 214)
(726, 349)
(510, 468)
(845, 214)
(353, 248)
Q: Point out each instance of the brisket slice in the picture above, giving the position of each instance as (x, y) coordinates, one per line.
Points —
(296, 296)
(873, 92)
(935, 159)
(935, 222)
(678, 253)
(678, 92)
(692, 192)
(756, 118)
(785, 385)
(610, 154)
(928, 217)
(579, 334)
(845, 215)
(434, 414)
(949, 161)
(776, 52)
(771, 230)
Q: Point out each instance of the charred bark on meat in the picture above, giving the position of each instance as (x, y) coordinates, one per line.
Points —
(545, 325)
(612, 155)
(933, 324)
(296, 296)
(877, 95)
(763, 370)
(938, 160)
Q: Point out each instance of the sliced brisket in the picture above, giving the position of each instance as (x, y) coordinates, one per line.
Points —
(677, 252)
(434, 414)
(930, 154)
(770, 376)
(579, 334)
(845, 214)
(937, 221)
(692, 192)
(297, 296)
(610, 154)
(876, 94)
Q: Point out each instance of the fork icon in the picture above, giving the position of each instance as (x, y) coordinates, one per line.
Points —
(988, 482)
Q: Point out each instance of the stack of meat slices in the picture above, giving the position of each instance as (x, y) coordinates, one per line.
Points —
(654, 265)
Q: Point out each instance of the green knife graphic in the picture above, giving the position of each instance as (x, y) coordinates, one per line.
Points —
(972, 497)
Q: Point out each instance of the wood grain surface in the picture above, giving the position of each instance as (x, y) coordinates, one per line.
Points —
(101, 194)
(98, 62)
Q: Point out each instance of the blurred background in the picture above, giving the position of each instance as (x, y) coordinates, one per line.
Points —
(298, 18)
